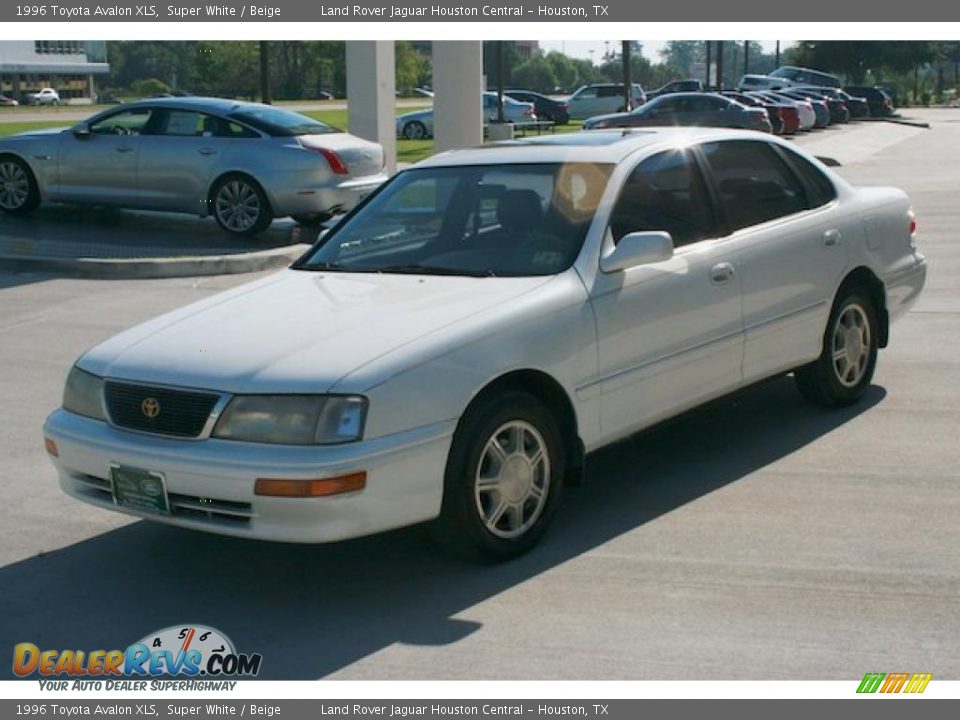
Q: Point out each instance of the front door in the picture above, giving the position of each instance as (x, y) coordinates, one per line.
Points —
(100, 167)
(669, 333)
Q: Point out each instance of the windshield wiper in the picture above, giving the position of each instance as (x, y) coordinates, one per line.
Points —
(335, 267)
(432, 270)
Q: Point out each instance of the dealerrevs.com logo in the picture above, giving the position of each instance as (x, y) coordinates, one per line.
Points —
(192, 651)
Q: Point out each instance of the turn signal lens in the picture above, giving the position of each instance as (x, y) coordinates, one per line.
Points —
(322, 487)
(51, 447)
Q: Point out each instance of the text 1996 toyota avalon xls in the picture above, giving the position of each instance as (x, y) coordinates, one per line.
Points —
(452, 348)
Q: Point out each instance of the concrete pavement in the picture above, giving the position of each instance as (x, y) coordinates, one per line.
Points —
(757, 538)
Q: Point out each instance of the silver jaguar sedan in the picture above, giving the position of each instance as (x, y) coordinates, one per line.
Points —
(243, 163)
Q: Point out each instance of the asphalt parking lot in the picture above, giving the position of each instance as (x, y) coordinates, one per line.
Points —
(756, 538)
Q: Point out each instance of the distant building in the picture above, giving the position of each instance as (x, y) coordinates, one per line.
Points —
(67, 66)
(527, 49)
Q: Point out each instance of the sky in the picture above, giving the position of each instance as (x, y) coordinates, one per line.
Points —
(651, 48)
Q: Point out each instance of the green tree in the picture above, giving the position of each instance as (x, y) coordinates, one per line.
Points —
(409, 66)
(535, 74)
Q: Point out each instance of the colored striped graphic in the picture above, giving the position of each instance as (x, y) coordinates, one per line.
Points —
(894, 682)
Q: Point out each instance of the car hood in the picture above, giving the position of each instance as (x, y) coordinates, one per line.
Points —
(297, 331)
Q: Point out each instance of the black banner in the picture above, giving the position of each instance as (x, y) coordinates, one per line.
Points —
(471, 11)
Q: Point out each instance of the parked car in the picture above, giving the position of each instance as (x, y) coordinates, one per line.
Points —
(675, 87)
(805, 76)
(774, 110)
(7, 101)
(878, 101)
(703, 109)
(47, 96)
(837, 107)
(545, 108)
(807, 116)
(418, 124)
(601, 98)
(450, 351)
(243, 163)
(856, 106)
(820, 109)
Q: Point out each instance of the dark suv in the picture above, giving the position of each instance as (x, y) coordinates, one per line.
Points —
(879, 102)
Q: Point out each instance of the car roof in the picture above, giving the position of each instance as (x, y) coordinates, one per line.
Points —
(191, 102)
(587, 146)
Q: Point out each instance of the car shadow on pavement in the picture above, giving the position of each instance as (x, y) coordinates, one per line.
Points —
(312, 610)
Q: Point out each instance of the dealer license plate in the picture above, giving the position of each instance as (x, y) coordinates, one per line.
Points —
(141, 490)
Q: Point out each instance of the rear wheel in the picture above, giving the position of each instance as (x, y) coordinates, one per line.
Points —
(842, 373)
(240, 205)
(503, 479)
(19, 193)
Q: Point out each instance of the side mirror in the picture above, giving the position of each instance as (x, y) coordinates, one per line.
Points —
(81, 131)
(638, 248)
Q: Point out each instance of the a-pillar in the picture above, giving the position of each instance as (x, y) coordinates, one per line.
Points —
(458, 94)
(371, 95)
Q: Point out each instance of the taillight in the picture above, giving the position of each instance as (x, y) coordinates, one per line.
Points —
(563, 106)
(913, 224)
(337, 165)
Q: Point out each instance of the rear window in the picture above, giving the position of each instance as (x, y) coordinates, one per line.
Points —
(278, 122)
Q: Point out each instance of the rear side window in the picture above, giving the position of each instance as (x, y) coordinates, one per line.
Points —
(665, 192)
(611, 91)
(820, 190)
(754, 182)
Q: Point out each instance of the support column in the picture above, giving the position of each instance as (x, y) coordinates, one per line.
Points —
(458, 94)
(371, 95)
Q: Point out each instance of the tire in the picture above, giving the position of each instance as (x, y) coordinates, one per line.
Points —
(415, 130)
(842, 373)
(503, 452)
(240, 206)
(19, 193)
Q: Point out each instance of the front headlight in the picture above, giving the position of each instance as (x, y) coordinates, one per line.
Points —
(293, 419)
(83, 394)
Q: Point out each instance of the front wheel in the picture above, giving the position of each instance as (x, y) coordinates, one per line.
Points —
(240, 206)
(503, 479)
(842, 373)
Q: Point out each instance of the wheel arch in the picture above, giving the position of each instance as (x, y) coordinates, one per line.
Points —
(864, 277)
(6, 152)
(547, 389)
(220, 176)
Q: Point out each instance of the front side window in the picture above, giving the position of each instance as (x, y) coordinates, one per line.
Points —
(126, 122)
(505, 220)
(754, 182)
(665, 192)
(587, 93)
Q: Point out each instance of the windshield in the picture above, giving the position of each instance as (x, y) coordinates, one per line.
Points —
(279, 123)
(488, 220)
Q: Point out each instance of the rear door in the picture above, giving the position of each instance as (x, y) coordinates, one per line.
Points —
(790, 238)
(177, 161)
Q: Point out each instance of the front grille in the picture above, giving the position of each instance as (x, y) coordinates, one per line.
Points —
(164, 411)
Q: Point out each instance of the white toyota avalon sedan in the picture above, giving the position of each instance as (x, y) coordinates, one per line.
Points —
(451, 350)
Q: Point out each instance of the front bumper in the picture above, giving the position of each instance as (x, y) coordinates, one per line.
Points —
(210, 482)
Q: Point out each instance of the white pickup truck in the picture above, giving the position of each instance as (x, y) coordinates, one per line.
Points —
(47, 96)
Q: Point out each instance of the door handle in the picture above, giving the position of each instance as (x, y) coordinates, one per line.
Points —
(832, 238)
(207, 151)
(721, 273)
(124, 149)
